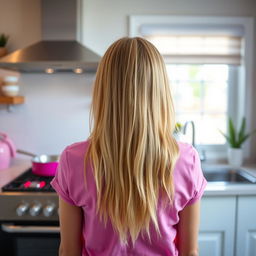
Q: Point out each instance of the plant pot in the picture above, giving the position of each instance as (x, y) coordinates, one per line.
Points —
(176, 136)
(179, 136)
(235, 157)
(3, 51)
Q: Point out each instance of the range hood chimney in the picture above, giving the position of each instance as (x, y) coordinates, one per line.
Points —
(59, 51)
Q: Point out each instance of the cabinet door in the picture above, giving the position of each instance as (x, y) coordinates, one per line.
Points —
(217, 226)
(246, 226)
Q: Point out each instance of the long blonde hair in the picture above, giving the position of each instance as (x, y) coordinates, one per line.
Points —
(132, 148)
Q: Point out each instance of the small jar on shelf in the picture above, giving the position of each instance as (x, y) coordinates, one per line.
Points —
(10, 87)
(9, 90)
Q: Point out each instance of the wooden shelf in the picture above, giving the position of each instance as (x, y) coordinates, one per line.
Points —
(12, 100)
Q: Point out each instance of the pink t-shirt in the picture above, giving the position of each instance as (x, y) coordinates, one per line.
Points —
(189, 184)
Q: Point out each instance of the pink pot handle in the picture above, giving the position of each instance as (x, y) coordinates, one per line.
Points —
(9, 142)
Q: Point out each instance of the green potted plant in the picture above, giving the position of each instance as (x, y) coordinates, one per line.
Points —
(235, 140)
(3, 41)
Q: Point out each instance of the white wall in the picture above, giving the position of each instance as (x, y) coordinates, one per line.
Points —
(55, 113)
(105, 21)
(21, 20)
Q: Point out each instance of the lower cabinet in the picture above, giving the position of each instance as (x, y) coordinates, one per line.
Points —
(246, 226)
(228, 226)
(217, 226)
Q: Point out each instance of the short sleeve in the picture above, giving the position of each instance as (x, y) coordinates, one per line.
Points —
(60, 182)
(199, 181)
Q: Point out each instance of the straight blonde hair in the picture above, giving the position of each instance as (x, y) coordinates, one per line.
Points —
(131, 147)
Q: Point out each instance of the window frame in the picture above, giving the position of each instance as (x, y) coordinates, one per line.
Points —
(241, 78)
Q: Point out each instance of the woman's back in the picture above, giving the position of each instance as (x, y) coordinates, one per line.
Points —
(98, 239)
(131, 186)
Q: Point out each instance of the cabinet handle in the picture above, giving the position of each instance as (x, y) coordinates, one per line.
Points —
(30, 229)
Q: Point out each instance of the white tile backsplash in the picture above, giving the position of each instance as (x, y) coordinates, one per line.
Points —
(55, 113)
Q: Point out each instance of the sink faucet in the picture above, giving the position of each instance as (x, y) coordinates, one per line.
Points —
(193, 130)
(202, 152)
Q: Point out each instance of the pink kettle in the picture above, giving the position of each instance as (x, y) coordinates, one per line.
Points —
(7, 151)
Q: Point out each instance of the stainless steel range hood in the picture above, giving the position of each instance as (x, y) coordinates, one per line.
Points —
(52, 56)
(59, 50)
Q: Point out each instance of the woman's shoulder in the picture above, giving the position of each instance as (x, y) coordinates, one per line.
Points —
(188, 174)
(188, 161)
(186, 151)
(71, 172)
(76, 149)
(74, 153)
(78, 146)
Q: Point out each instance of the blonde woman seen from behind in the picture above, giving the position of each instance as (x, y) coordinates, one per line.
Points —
(130, 188)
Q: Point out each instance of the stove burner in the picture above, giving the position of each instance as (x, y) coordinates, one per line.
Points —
(34, 184)
(29, 182)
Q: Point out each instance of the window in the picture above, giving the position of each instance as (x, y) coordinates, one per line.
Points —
(203, 56)
(196, 89)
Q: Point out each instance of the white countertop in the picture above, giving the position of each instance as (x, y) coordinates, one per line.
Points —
(18, 166)
(221, 188)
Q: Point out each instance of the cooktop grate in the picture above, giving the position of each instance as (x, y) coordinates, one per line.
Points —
(29, 182)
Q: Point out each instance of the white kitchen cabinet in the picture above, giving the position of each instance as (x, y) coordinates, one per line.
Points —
(246, 226)
(217, 226)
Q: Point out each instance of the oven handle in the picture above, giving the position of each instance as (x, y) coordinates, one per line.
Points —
(30, 229)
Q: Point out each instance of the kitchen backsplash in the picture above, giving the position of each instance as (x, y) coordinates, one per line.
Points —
(55, 113)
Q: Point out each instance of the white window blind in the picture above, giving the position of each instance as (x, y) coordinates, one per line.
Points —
(196, 44)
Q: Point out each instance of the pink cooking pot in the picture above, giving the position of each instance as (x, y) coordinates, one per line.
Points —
(7, 151)
(42, 165)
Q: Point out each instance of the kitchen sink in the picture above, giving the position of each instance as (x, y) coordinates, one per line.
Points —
(228, 175)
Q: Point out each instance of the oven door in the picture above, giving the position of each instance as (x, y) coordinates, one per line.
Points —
(29, 240)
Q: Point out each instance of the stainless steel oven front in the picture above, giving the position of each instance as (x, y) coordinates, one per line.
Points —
(29, 224)
(29, 240)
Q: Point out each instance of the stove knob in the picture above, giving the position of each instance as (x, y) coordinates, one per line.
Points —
(35, 209)
(49, 210)
(22, 209)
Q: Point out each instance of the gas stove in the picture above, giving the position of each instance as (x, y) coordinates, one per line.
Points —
(29, 198)
(29, 223)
